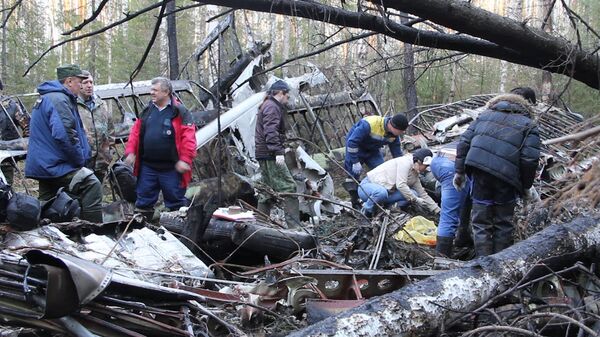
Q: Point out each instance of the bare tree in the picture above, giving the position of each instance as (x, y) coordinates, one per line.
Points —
(408, 77)
(172, 37)
(480, 32)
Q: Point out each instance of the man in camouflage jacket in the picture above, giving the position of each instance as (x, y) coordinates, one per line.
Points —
(98, 126)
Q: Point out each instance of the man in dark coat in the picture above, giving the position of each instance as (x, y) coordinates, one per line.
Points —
(270, 150)
(58, 147)
(500, 152)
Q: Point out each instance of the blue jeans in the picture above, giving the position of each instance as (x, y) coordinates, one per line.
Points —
(150, 182)
(371, 193)
(371, 159)
(452, 200)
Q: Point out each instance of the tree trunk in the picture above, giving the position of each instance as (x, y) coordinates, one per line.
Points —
(409, 83)
(172, 37)
(506, 39)
(547, 89)
(421, 308)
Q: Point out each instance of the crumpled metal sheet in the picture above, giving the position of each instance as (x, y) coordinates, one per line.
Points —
(68, 276)
(142, 249)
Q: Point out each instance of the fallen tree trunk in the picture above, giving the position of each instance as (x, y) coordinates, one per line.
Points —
(576, 136)
(423, 307)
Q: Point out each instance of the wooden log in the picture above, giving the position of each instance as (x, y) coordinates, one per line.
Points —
(420, 309)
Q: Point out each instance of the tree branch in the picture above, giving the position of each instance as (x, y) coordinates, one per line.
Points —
(10, 10)
(532, 47)
(101, 30)
(530, 42)
(159, 19)
(315, 52)
(92, 17)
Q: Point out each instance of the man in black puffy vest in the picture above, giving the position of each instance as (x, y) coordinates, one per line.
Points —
(500, 152)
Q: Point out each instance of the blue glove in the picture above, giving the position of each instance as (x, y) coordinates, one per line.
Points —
(356, 168)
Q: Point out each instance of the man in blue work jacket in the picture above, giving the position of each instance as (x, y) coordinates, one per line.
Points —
(364, 143)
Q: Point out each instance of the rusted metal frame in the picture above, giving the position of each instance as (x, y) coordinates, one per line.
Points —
(100, 326)
(212, 295)
(31, 322)
(141, 306)
(371, 278)
(294, 260)
(317, 122)
(379, 244)
(327, 123)
(137, 319)
(13, 296)
(187, 322)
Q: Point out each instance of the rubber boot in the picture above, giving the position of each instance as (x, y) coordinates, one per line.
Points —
(483, 226)
(464, 232)
(503, 226)
(292, 212)
(352, 188)
(443, 245)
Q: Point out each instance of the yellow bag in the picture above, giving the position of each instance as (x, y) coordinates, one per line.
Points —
(422, 230)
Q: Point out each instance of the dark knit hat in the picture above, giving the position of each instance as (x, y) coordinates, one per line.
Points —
(399, 122)
(423, 155)
(279, 85)
(525, 92)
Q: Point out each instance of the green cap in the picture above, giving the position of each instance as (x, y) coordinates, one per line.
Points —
(68, 70)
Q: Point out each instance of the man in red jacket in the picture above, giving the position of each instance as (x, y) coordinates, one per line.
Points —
(162, 147)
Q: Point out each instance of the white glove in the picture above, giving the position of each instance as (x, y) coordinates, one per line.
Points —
(356, 168)
(531, 195)
(420, 201)
(280, 160)
(459, 181)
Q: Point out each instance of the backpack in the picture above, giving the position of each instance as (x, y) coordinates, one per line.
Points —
(61, 208)
(121, 175)
(23, 212)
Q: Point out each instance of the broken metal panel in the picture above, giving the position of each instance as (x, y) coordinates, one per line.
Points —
(340, 284)
(140, 249)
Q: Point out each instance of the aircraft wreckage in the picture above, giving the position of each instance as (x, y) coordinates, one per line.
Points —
(222, 268)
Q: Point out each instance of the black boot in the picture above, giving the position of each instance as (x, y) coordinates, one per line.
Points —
(503, 226)
(354, 199)
(352, 188)
(464, 232)
(443, 245)
(483, 225)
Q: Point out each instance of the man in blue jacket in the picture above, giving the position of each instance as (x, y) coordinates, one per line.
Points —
(500, 151)
(58, 148)
(364, 143)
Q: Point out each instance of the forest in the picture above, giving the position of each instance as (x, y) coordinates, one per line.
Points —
(383, 64)
(300, 167)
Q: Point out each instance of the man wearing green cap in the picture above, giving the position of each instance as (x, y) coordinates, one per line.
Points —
(58, 148)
